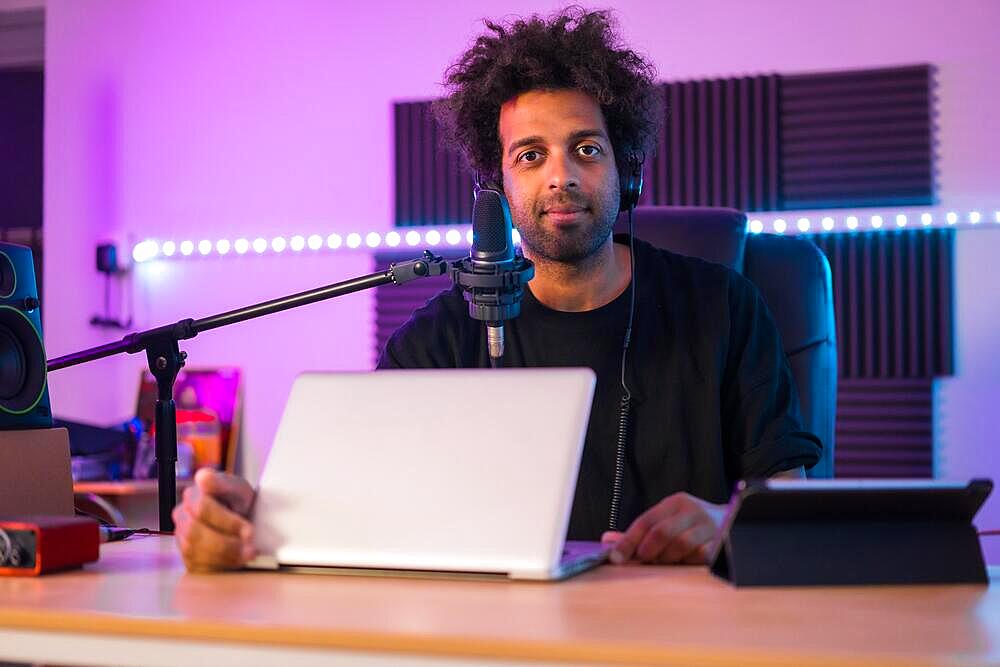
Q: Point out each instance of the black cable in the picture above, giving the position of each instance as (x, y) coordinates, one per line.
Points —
(120, 533)
(80, 512)
(113, 533)
(625, 407)
(107, 296)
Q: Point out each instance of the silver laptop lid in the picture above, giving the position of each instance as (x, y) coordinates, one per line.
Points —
(458, 470)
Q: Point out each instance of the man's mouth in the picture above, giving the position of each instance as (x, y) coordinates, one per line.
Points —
(564, 214)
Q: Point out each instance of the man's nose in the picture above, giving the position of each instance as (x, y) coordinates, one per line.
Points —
(562, 173)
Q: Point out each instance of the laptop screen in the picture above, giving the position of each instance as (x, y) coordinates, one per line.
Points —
(451, 469)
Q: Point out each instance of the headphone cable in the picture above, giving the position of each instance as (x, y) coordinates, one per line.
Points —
(625, 407)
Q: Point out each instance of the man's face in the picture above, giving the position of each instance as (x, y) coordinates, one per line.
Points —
(559, 173)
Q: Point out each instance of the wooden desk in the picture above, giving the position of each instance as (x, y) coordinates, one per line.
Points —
(137, 606)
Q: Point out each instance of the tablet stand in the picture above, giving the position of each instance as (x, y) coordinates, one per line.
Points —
(830, 537)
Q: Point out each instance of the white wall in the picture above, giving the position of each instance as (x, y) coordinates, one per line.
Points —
(199, 119)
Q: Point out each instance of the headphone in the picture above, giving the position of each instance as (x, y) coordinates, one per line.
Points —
(631, 182)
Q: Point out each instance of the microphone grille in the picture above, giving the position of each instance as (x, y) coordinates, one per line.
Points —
(490, 231)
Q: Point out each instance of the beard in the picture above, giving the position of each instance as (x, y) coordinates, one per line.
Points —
(571, 244)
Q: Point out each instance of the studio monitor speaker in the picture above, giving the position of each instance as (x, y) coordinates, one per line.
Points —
(24, 392)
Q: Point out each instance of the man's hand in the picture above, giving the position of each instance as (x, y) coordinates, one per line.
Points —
(211, 525)
(678, 529)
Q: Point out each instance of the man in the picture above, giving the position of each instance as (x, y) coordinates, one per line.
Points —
(552, 111)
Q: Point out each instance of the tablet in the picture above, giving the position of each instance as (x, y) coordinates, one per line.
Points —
(783, 532)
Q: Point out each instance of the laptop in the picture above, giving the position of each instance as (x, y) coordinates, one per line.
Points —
(448, 472)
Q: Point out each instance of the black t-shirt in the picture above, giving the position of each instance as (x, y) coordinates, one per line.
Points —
(713, 399)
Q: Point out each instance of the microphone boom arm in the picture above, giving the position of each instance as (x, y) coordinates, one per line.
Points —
(165, 358)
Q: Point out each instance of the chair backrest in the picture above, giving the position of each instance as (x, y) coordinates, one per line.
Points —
(793, 276)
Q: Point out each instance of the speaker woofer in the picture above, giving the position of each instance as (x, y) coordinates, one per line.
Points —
(11, 365)
(22, 363)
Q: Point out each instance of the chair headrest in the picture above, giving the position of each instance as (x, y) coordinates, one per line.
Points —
(714, 234)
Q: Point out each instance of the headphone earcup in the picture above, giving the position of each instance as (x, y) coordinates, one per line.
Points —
(631, 184)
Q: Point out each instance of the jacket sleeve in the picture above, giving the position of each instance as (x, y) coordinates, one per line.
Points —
(760, 402)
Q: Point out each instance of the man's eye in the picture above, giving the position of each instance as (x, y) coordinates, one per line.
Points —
(589, 150)
(528, 156)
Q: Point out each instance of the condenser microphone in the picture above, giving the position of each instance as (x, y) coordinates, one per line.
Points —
(492, 277)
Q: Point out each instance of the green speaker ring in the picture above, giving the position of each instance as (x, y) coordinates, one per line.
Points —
(4, 257)
(21, 319)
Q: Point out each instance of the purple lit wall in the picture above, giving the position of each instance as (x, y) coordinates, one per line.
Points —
(966, 407)
(193, 119)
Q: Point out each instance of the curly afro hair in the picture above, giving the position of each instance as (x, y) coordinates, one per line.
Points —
(573, 49)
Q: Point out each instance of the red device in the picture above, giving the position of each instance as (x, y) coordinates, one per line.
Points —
(33, 545)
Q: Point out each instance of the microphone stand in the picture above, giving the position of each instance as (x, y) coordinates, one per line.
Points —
(166, 359)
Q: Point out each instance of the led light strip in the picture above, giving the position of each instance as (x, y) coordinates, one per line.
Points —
(820, 223)
(150, 249)
(784, 222)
